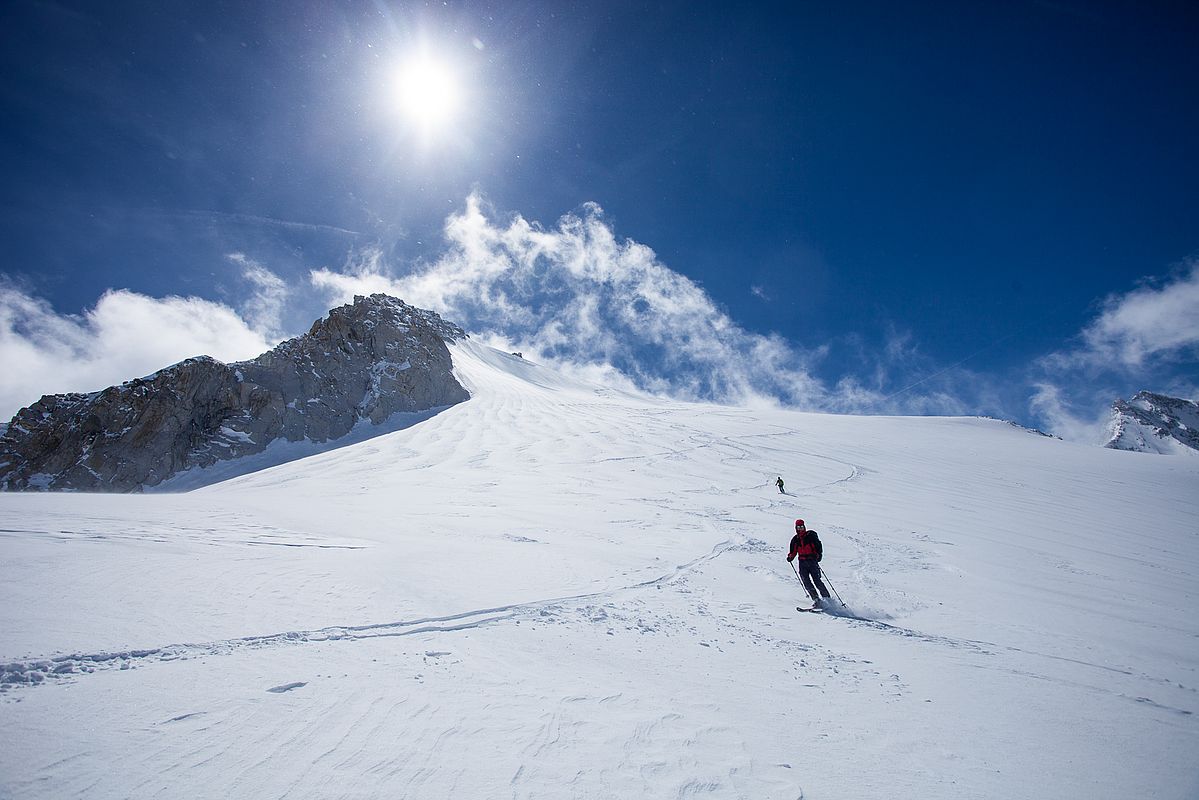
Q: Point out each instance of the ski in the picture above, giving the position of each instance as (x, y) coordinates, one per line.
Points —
(812, 610)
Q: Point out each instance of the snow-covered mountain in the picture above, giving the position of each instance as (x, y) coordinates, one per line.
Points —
(1154, 423)
(360, 367)
(559, 590)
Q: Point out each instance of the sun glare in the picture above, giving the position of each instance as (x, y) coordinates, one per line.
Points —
(428, 92)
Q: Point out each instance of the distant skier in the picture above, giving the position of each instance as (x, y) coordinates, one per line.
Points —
(779, 483)
(807, 551)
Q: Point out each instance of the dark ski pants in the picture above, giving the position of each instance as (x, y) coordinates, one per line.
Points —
(809, 573)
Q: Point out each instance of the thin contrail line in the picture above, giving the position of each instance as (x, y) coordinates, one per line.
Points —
(951, 366)
(255, 219)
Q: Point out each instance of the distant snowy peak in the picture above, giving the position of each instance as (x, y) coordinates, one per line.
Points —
(1154, 423)
(364, 362)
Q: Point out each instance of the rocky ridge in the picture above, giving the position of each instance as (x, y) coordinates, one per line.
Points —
(1154, 423)
(363, 362)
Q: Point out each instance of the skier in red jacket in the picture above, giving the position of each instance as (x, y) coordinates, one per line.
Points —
(807, 551)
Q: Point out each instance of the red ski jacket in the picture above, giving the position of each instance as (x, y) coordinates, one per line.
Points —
(806, 546)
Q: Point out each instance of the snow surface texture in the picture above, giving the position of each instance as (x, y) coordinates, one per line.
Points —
(556, 590)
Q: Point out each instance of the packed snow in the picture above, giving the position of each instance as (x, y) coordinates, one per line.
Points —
(558, 590)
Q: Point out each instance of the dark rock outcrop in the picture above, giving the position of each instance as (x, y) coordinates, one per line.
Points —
(1154, 423)
(365, 361)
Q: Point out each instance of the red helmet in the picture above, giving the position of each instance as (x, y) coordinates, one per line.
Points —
(799, 523)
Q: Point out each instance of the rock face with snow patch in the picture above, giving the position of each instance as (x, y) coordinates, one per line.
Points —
(1154, 423)
(365, 361)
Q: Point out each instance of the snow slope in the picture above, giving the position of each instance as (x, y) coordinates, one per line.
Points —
(558, 590)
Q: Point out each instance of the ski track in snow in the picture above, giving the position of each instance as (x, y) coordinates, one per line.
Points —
(221, 534)
(594, 608)
(34, 671)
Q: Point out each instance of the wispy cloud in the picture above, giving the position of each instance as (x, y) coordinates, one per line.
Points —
(1157, 320)
(263, 309)
(1055, 413)
(1142, 336)
(577, 294)
(123, 336)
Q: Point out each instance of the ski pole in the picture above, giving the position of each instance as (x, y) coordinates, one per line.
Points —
(830, 583)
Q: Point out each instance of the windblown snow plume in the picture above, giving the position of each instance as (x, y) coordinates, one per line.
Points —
(578, 295)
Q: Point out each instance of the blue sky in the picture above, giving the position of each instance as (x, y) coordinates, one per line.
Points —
(972, 207)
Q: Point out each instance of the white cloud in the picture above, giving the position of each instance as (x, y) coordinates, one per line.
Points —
(123, 336)
(1138, 340)
(1153, 321)
(264, 308)
(576, 294)
(1052, 408)
(363, 274)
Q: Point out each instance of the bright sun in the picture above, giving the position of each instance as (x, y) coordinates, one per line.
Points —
(428, 92)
